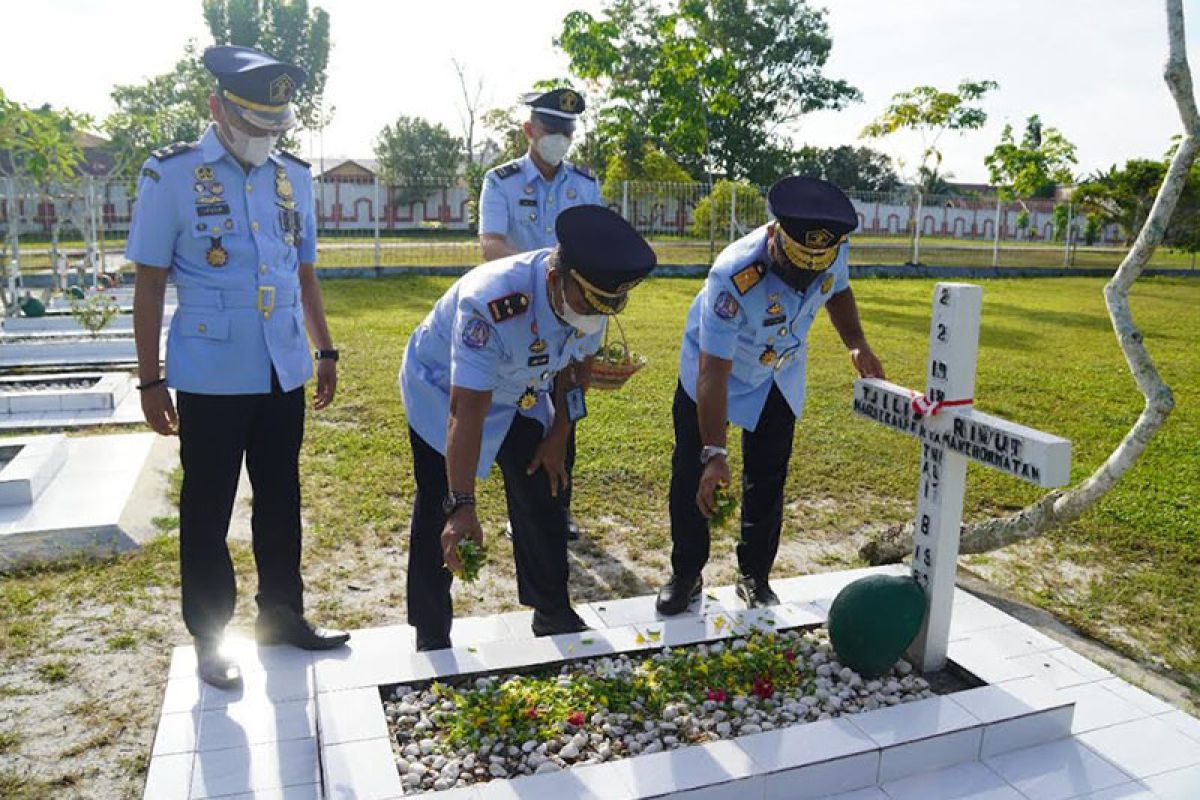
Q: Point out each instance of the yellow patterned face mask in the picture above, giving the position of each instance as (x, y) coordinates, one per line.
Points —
(810, 258)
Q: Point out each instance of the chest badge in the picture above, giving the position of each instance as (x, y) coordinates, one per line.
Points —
(217, 255)
(283, 186)
(203, 173)
(775, 309)
(538, 346)
(827, 284)
(529, 188)
(768, 356)
(528, 399)
(571, 194)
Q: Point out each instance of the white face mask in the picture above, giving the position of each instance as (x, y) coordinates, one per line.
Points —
(553, 148)
(253, 150)
(587, 324)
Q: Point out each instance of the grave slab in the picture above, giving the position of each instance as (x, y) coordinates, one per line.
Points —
(1008, 740)
(27, 466)
(67, 401)
(85, 509)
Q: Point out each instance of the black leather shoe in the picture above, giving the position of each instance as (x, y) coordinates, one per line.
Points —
(678, 594)
(565, 621)
(282, 625)
(572, 528)
(756, 592)
(214, 668)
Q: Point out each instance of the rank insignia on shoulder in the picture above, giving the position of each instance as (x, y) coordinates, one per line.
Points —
(509, 306)
(171, 150)
(151, 174)
(747, 278)
(508, 170)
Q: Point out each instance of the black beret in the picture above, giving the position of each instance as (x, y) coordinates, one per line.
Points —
(258, 85)
(813, 212)
(604, 252)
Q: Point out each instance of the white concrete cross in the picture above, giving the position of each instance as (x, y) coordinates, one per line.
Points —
(950, 434)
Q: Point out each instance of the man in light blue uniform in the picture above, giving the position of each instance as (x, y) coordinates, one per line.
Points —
(743, 361)
(521, 199)
(491, 375)
(231, 221)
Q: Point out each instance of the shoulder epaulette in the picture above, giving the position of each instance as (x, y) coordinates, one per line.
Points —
(509, 306)
(584, 171)
(172, 150)
(297, 159)
(748, 277)
(508, 170)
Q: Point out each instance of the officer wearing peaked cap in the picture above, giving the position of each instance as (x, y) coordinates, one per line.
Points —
(230, 220)
(489, 376)
(520, 200)
(743, 361)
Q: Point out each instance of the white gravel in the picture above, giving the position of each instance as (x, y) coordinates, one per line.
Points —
(429, 763)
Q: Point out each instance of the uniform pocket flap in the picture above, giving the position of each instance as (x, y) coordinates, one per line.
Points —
(214, 325)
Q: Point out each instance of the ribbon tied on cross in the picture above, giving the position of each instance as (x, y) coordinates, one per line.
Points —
(922, 405)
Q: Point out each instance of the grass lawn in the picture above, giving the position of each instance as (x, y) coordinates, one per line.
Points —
(1127, 572)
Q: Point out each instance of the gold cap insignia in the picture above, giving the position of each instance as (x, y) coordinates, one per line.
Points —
(281, 89)
(820, 238)
(568, 102)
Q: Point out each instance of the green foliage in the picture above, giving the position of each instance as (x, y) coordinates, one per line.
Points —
(172, 107)
(473, 556)
(653, 166)
(1061, 218)
(40, 143)
(725, 505)
(285, 29)
(931, 112)
(1034, 167)
(506, 125)
(95, 312)
(1124, 196)
(707, 81)
(412, 149)
(751, 207)
(847, 167)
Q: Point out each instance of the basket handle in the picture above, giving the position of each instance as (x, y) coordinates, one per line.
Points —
(624, 343)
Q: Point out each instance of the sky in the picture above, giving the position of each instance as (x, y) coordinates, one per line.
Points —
(1091, 68)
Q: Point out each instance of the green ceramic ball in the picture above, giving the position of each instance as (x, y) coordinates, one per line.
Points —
(874, 620)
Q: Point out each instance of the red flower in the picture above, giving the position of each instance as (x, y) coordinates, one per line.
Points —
(790, 656)
(716, 694)
(532, 713)
(576, 718)
(763, 689)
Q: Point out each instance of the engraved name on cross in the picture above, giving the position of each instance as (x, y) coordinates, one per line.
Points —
(951, 432)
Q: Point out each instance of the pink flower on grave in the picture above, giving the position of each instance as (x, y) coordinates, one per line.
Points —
(532, 713)
(763, 689)
(576, 718)
(717, 695)
(790, 656)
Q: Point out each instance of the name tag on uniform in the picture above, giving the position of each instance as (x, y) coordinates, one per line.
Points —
(769, 321)
(539, 361)
(525, 201)
(576, 407)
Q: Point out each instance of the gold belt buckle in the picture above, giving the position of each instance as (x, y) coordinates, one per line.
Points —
(266, 300)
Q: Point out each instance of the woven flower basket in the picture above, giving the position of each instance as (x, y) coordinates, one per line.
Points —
(615, 363)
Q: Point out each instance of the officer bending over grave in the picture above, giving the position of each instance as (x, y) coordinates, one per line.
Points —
(489, 376)
(743, 361)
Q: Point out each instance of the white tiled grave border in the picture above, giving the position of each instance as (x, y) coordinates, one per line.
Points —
(1049, 725)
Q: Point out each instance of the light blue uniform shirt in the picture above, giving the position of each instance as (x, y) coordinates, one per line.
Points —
(196, 208)
(493, 331)
(519, 204)
(747, 314)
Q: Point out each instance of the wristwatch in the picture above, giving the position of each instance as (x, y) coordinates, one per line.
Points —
(331, 355)
(711, 451)
(456, 500)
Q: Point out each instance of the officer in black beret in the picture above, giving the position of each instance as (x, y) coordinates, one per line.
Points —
(491, 375)
(743, 361)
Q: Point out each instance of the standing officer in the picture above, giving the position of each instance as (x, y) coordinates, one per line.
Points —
(231, 220)
(521, 199)
(743, 360)
(477, 381)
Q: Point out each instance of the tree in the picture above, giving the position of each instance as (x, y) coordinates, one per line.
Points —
(285, 29)
(847, 167)
(931, 112)
(1061, 507)
(411, 152)
(1036, 166)
(709, 82)
(714, 211)
(172, 107)
(1122, 196)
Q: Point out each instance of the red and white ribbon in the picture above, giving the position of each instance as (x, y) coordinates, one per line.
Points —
(922, 405)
